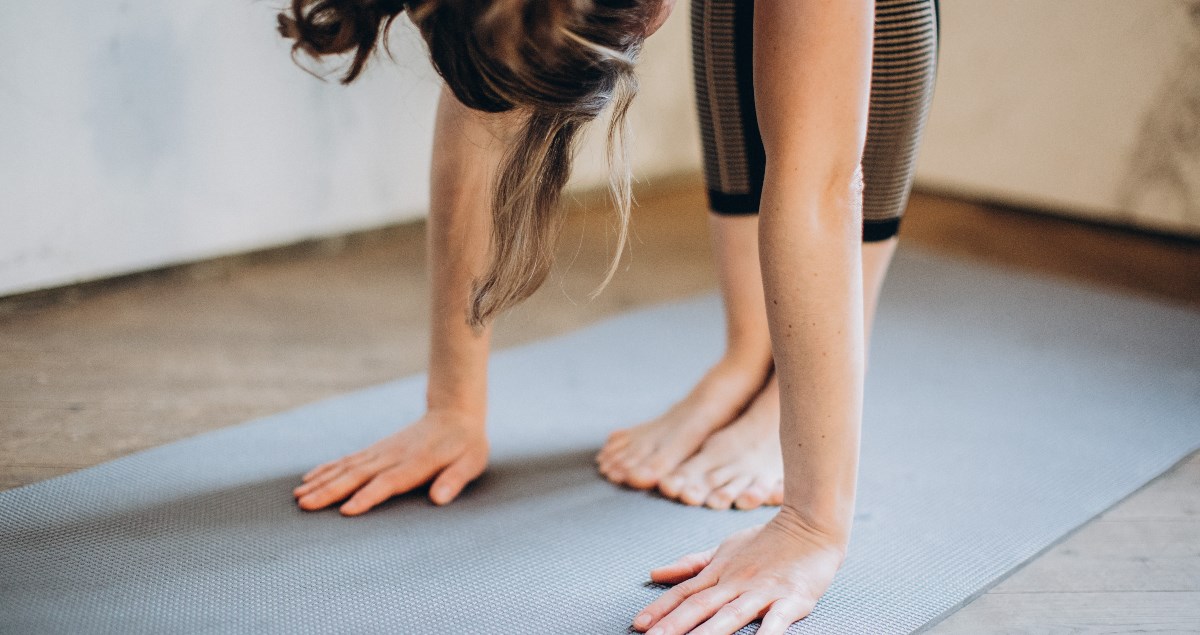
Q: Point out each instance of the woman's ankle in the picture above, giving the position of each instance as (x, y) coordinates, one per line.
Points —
(734, 380)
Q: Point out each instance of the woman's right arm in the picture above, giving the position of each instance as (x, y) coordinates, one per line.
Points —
(448, 445)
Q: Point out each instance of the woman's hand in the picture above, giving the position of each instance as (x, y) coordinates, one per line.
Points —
(775, 571)
(449, 448)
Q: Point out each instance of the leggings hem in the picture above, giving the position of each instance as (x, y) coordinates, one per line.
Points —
(723, 204)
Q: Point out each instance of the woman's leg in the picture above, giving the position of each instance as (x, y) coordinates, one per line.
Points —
(734, 465)
(641, 455)
(741, 464)
(814, 58)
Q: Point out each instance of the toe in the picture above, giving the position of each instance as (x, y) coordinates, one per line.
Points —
(616, 441)
(620, 465)
(753, 496)
(694, 494)
(641, 477)
(692, 480)
(776, 496)
(651, 471)
(607, 467)
(698, 491)
(671, 485)
(720, 476)
(723, 497)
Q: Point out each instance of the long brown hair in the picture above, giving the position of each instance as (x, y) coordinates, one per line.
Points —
(560, 63)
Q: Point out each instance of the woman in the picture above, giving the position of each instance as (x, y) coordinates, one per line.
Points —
(777, 420)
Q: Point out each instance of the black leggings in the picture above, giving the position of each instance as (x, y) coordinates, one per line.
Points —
(902, 74)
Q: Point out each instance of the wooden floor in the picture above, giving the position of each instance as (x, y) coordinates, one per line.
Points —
(106, 369)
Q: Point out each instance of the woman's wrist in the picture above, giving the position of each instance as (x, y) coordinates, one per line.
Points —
(820, 480)
(468, 405)
(831, 529)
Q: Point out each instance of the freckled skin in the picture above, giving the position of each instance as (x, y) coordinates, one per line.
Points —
(718, 446)
(446, 447)
(812, 69)
(772, 409)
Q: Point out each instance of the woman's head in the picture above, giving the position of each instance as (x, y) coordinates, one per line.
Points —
(557, 63)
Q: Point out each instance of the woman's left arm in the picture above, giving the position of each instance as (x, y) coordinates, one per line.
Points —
(812, 71)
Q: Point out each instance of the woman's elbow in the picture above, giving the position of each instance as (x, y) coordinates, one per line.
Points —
(828, 196)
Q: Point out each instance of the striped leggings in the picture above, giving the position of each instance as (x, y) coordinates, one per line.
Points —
(903, 67)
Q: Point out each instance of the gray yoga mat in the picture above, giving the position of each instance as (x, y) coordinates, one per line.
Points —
(1002, 411)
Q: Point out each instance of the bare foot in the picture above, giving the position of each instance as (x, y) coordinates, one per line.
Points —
(739, 465)
(641, 455)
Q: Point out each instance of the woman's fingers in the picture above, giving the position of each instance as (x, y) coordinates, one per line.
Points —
(325, 477)
(783, 613)
(326, 472)
(322, 477)
(320, 469)
(450, 483)
(683, 568)
(697, 608)
(734, 615)
(388, 483)
(436, 443)
(337, 488)
(671, 599)
(357, 457)
(777, 571)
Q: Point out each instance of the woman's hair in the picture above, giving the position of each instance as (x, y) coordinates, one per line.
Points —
(559, 63)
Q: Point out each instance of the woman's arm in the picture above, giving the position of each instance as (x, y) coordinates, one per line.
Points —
(813, 76)
(812, 67)
(467, 148)
(448, 445)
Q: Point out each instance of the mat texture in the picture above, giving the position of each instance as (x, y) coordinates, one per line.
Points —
(1002, 411)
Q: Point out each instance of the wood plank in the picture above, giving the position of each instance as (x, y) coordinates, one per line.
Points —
(102, 370)
(1114, 556)
(1174, 496)
(15, 475)
(1054, 613)
(1163, 267)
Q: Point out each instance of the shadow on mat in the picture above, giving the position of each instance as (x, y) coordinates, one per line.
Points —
(268, 507)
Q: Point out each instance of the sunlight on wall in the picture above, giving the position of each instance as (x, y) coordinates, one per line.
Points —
(1089, 107)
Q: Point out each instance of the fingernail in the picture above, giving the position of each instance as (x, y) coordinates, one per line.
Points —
(641, 621)
(655, 631)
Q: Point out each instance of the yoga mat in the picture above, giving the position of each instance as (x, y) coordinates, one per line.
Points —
(1002, 411)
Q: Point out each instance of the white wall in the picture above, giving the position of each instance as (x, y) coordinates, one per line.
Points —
(136, 134)
(1091, 107)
